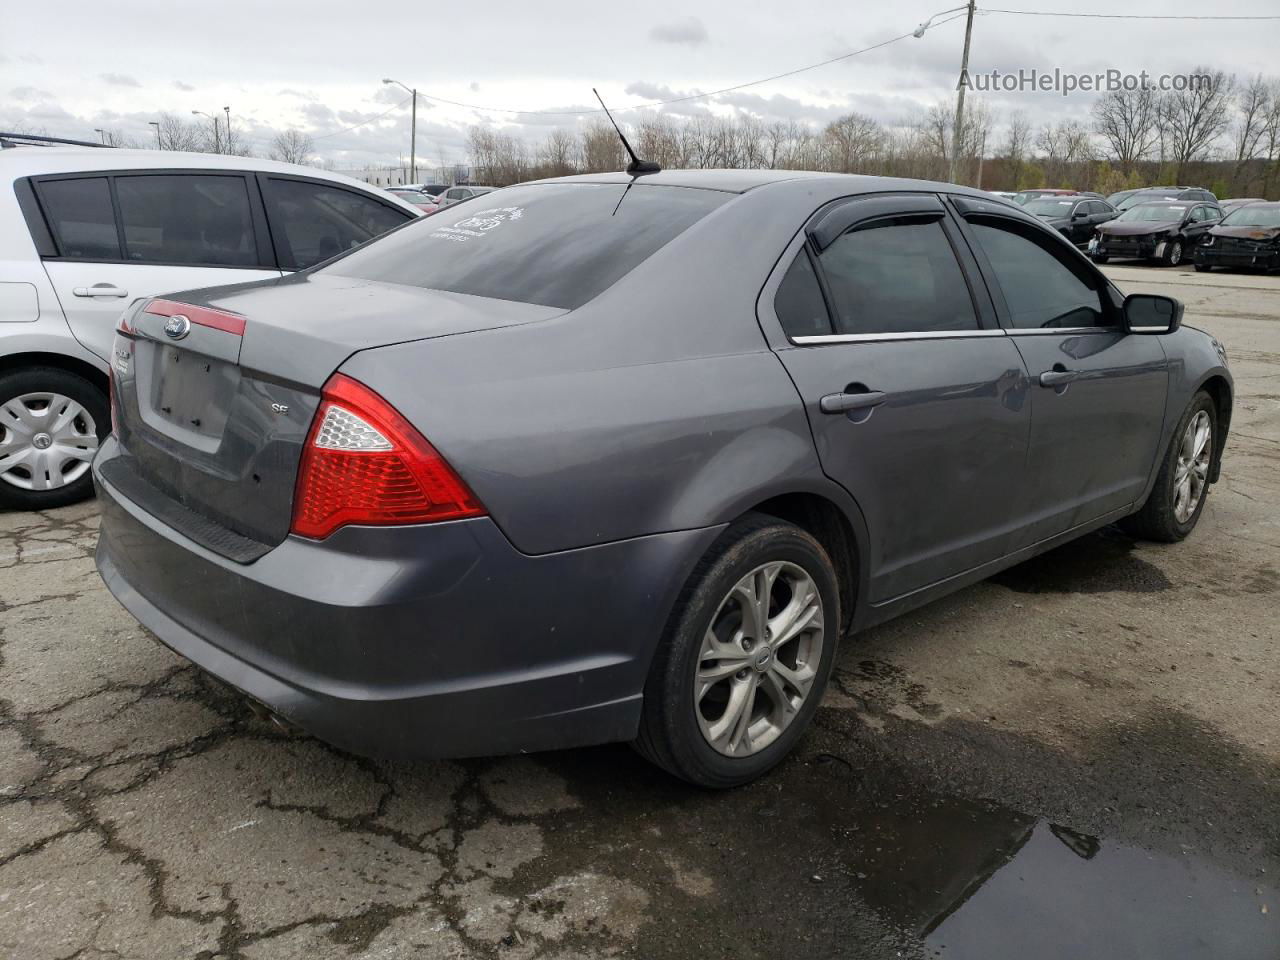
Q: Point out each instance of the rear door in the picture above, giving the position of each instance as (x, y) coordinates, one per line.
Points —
(916, 398)
(1099, 397)
(122, 236)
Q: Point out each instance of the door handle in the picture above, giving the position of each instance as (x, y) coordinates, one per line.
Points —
(844, 402)
(100, 290)
(1058, 376)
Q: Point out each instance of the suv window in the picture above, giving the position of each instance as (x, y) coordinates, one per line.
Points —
(1040, 289)
(555, 244)
(897, 277)
(80, 214)
(311, 222)
(182, 218)
(798, 302)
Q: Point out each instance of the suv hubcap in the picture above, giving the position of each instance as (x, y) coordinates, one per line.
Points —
(1192, 471)
(46, 441)
(759, 658)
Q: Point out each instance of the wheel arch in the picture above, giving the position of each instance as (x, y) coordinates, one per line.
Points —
(60, 361)
(1220, 390)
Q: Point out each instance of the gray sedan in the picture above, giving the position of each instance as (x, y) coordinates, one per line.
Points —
(624, 459)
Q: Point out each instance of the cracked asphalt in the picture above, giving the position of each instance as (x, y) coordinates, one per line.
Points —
(1080, 757)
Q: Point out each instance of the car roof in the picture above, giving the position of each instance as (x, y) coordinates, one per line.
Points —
(39, 161)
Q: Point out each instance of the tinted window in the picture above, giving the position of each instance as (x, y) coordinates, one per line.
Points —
(187, 219)
(557, 245)
(81, 216)
(311, 222)
(897, 278)
(798, 302)
(1040, 290)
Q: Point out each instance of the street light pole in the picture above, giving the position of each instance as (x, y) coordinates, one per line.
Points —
(964, 71)
(101, 133)
(217, 140)
(413, 129)
(958, 126)
(155, 124)
(228, 110)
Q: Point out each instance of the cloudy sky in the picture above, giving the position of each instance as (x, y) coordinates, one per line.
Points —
(318, 66)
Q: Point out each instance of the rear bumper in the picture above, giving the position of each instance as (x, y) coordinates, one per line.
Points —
(426, 641)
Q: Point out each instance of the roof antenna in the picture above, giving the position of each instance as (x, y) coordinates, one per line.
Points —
(636, 166)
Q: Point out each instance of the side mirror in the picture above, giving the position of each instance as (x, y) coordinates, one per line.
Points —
(1078, 214)
(1150, 313)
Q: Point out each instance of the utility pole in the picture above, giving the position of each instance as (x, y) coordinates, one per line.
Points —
(228, 111)
(959, 125)
(413, 129)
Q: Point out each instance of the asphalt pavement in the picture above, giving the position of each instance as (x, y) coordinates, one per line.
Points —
(1078, 758)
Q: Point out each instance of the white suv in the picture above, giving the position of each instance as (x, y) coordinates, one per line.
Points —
(85, 231)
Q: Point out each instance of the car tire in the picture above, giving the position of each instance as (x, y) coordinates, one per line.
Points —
(1099, 258)
(25, 396)
(682, 708)
(1172, 254)
(1160, 519)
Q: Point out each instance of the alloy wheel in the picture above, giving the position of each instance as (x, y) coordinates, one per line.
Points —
(47, 441)
(1192, 471)
(759, 659)
(1175, 253)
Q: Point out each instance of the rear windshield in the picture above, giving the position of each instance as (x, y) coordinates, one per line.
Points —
(555, 244)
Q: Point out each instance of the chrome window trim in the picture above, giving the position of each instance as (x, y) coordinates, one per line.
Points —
(1050, 331)
(875, 337)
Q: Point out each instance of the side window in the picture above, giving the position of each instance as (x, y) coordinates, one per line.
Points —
(897, 277)
(187, 219)
(798, 302)
(312, 222)
(80, 214)
(1040, 289)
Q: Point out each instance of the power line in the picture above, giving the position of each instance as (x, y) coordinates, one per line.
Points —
(1124, 16)
(337, 133)
(685, 99)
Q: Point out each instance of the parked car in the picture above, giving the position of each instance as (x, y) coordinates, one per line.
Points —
(423, 201)
(1022, 196)
(1163, 230)
(84, 231)
(1229, 205)
(624, 458)
(1150, 194)
(1249, 236)
(1003, 194)
(1075, 217)
(457, 194)
(431, 189)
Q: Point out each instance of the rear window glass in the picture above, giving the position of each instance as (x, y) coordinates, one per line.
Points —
(556, 245)
(182, 218)
(82, 219)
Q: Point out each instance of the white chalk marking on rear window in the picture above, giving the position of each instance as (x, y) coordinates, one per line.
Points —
(478, 224)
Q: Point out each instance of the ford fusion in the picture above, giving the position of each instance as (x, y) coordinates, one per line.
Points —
(626, 459)
(1163, 230)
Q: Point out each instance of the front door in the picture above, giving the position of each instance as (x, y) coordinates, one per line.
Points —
(917, 401)
(1098, 400)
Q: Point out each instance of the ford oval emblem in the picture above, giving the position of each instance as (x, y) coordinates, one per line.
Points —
(177, 327)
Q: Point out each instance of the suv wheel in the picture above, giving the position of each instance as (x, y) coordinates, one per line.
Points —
(51, 422)
(1182, 486)
(746, 657)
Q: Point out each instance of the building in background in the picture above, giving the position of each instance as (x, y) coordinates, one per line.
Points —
(398, 176)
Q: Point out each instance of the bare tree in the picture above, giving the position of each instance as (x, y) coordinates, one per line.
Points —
(1065, 146)
(178, 134)
(601, 148)
(292, 146)
(1193, 119)
(658, 139)
(114, 138)
(558, 154)
(1127, 120)
(1017, 145)
(851, 141)
(1253, 105)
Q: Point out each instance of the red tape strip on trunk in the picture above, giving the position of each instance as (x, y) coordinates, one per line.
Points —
(201, 316)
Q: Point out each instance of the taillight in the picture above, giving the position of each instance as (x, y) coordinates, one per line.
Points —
(366, 464)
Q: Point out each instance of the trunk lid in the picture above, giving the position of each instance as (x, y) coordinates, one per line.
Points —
(212, 410)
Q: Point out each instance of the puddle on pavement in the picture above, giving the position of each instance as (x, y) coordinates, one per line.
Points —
(983, 882)
(1102, 562)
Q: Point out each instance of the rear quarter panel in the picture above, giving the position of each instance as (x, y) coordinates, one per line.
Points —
(658, 406)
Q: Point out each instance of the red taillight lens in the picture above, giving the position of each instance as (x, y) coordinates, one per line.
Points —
(366, 464)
